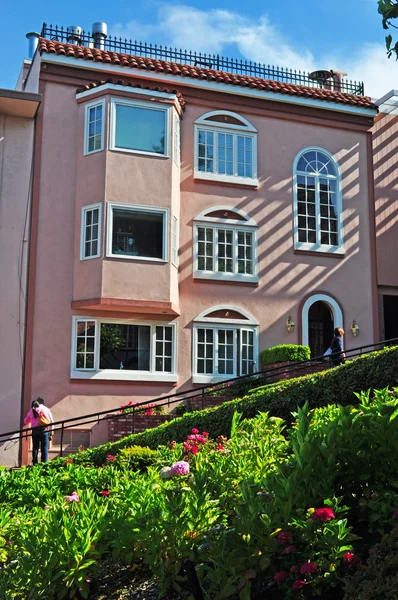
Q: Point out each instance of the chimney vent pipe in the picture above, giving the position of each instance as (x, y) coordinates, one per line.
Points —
(33, 38)
(74, 34)
(99, 31)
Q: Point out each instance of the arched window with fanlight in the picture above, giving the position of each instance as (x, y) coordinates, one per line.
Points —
(317, 202)
(225, 148)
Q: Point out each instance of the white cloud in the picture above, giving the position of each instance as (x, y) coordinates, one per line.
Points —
(225, 32)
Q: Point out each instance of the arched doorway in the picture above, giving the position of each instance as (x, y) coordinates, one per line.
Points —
(320, 328)
(320, 315)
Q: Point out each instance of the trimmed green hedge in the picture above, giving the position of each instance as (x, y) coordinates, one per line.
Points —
(339, 385)
(285, 353)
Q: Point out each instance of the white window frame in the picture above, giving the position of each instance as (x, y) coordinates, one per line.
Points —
(215, 127)
(245, 224)
(146, 105)
(202, 321)
(136, 208)
(121, 374)
(176, 139)
(338, 320)
(318, 247)
(85, 209)
(174, 241)
(87, 108)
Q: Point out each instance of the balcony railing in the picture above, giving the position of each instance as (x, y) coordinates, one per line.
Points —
(209, 61)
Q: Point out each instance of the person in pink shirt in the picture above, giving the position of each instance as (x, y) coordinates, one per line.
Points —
(40, 431)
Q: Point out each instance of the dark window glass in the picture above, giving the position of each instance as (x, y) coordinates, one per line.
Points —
(137, 233)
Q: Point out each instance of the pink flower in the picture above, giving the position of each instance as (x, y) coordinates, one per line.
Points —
(294, 569)
(201, 439)
(350, 559)
(284, 537)
(105, 493)
(298, 584)
(73, 497)
(280, 576)
(173, 445)
(180, 468)
(194, 449)
(308, 568)
(322, 514)
(395, 515)
(110, 457)
(289, 549)
(194, 430)
(205, 433)
(220, 448)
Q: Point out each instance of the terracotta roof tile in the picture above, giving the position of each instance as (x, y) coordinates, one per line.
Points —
(171, 68)
(132, 84)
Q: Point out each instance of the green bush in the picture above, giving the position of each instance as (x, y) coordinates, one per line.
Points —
(136, 458)
(378, 578)
(376, 370)
(285, 353)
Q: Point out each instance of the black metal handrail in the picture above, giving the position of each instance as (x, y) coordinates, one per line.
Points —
(208, 61)
(261, 377)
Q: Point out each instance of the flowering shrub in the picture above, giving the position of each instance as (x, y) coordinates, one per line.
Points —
(180, 468)
(141, 410)
(194, 442)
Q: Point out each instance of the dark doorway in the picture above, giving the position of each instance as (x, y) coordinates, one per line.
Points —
(320, 328)
(390, 307)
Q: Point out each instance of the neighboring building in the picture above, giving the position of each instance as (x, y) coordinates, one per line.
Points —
(180, 216)
(385, 145)
(17, 116)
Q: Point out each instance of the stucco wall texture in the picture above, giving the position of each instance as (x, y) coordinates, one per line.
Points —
(15, 173)
(69, 180)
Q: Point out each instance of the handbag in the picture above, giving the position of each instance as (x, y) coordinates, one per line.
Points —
(43, 419)
(328, 352)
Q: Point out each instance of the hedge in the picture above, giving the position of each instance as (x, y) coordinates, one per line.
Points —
(339, 385)
(285, 353)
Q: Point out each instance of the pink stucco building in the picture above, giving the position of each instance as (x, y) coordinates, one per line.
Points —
(180, 216)
(17, 114)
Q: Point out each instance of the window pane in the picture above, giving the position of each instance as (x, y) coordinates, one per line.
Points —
(125, 347)
(85, 340)
(137, 233)
(140, 129)
(205, 249)
(204, 348)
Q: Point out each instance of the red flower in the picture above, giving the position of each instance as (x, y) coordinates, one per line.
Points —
(308, 568)
(322, 514)
(280, 576)
(110, 457)
(298, 584)
(70, 460)
(205, 434)
(195, 430)
(194, 449)
(220, 448)
(284, 537)
(173, 445)
(289, 549)
(350, 559)
(294, 569)
(105, 493)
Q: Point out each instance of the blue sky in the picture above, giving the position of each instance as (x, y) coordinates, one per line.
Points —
(331, 34)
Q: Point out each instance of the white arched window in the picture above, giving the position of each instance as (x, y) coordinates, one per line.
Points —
(225, 245)
(317, 202)
(225, 344)
(225, 148)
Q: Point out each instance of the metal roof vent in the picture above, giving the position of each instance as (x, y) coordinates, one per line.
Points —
(33, 38)
(100, 32)
(74, 35)
(324, 78)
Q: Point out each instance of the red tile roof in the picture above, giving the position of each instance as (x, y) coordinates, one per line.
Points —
(171, 68)
(132, 84)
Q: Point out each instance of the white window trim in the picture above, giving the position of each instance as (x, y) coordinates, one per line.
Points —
(221, 324)
(332, 304)
(235, 225)
(138, 104)
(86, 126)
(83, 230)
(121, 374)
(325, 248)
(137, 208)
(174, 241)
(176, 139)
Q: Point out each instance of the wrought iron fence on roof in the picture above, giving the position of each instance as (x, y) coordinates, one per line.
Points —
(208, 61)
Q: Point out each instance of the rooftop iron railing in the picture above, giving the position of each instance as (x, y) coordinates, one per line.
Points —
(208, 61)
(249, 381)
